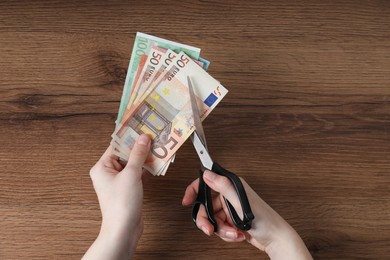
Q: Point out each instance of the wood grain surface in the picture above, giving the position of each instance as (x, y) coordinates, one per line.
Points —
(306, 121)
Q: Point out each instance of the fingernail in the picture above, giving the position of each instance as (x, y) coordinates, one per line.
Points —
(205, 230)
(209, 175)
(143, 140)
(231, 235)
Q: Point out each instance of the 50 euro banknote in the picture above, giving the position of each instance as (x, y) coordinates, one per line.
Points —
(164, 111)
(150, 68)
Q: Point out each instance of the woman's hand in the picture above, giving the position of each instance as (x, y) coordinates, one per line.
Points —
(120, 192)
(269, 232)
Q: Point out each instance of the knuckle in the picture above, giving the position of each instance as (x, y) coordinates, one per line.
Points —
(92, 171)
(188, 189)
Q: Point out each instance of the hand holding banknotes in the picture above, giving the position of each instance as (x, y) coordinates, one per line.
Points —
(120, 192)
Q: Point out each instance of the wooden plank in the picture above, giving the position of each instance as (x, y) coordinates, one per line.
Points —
(306, 121)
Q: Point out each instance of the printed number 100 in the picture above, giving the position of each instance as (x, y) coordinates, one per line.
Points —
(142, 45)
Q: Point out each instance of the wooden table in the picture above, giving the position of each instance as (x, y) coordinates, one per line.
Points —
(306, 121)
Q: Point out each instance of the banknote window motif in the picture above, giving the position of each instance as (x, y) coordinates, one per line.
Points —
(148, 120)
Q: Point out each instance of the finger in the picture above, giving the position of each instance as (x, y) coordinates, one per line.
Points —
(225, 187)
(220, 209)
(228, 233)
(139, 153)
(203, 223)
(225, 230)
(218, 202)
(106, 160)
(221, 215)
(191, 193)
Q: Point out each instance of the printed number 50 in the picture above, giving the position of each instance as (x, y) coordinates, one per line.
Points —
(161, 151)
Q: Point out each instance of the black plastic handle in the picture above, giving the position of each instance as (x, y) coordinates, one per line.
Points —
(204, 198)
(246, 221)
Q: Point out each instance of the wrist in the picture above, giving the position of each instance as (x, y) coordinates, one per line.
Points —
(122, 234)
(288, 243)
(272, 234)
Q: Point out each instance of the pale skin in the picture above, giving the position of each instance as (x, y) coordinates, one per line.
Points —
(119, 190)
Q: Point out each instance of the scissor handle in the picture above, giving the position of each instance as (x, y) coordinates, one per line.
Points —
(246, 221)
(204, 198)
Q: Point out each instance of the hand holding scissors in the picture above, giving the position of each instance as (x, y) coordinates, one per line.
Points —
(268, 232)
(204, 193)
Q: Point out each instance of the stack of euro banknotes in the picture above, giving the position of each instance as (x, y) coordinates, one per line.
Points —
(156, 100)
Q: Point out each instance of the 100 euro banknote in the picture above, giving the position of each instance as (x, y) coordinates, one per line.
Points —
(164, 112)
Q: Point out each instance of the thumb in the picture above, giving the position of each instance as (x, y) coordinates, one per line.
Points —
(138, 154)
(225, 187)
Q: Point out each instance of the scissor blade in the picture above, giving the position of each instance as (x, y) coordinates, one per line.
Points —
(203, 154)
(195, 111)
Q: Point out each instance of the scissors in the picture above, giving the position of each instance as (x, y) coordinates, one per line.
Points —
(204, 194)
